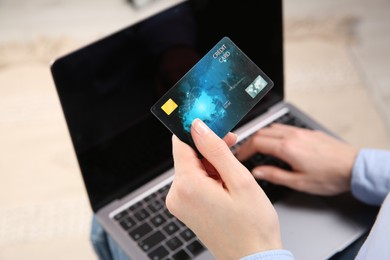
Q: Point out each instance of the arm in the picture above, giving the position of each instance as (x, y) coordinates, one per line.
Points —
(220, 201)
(320, 164)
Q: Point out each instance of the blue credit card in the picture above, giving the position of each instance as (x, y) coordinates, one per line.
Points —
(220, 90)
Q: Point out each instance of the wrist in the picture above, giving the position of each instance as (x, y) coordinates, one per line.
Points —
(243, 251)
(349, 163)
(251, 247)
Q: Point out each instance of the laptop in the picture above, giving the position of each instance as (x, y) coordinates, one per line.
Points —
(106, 90)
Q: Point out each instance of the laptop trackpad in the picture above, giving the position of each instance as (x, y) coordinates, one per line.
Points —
(311, 229)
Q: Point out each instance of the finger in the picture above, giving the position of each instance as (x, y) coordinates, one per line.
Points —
(217, 153)
(184, 157)
(210, 169)
(284, 127)
(277, 130)
(259, 144)
(230, 139)
(278, 176)
(272, 132)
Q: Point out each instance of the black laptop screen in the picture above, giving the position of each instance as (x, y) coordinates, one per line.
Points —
(106, 89)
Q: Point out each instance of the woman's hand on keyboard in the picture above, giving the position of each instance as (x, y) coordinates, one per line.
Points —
(219, 199)
(320, 163)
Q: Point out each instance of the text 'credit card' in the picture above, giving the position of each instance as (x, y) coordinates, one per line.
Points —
(220, 90)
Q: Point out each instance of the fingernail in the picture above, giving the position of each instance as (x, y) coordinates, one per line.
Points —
(258, 173)
(200, 127)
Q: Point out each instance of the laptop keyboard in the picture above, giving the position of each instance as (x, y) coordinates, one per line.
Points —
(274, 192)
(162, 236)
(158, 233)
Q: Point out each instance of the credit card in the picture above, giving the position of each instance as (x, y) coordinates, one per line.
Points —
(220, 89)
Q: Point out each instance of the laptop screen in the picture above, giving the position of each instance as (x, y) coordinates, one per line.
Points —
(107, 88)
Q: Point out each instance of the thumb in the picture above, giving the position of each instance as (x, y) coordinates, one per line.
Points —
(218, 154)
(276, 175)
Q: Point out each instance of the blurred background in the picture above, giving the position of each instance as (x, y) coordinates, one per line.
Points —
(337, 60)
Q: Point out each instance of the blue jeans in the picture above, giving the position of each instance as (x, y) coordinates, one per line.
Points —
(107, 249)
(103, 244)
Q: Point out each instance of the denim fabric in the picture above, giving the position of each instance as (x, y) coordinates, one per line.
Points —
(103, 244)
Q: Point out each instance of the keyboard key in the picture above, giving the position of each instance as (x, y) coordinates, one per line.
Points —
(171, 228)
(120, 215)
(179, 223)
(259, 158)
(158, 220)
(158, 253)
(164, 197)
(151, 241)
(135, 206)
(181, 255)
(155, 206)
(140, 231)
(187, 235)
(164, 189)
(127, 223)
(263, 184)
(279, 163)
(297, 122)
(174, 243)
(168, 214)
(195, 248)
(141, 214)
(150, 197)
